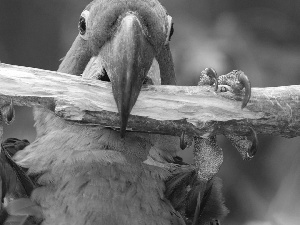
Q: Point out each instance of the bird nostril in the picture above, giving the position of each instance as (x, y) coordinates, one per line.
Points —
(104, 76)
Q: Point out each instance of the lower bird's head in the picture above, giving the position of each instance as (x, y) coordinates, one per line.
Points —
(125, 37)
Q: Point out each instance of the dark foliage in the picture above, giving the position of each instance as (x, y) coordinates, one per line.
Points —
(16, 188)
(198, 201)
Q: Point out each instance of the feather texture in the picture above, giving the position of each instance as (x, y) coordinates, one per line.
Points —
(88, 174)
(107, 175)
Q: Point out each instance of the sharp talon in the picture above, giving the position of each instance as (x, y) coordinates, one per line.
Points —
(213, 75)
(11, 112)
(243, 79)
(248, 156)
(252, 151)
(8, 113)
(183, 143)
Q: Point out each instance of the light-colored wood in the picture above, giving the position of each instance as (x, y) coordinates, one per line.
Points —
(159, 109)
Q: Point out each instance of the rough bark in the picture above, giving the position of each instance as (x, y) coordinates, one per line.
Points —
(159, 109)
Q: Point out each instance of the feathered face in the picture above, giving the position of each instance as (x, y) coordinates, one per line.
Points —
(122, 37)
(102, 19)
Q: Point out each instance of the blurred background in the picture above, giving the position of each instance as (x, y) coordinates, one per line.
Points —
(262, 38)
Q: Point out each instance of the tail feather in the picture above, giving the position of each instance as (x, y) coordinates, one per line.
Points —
(198, 202)
(212, 206)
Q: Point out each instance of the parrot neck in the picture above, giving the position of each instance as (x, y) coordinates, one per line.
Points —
(166, 66)
(76, 59)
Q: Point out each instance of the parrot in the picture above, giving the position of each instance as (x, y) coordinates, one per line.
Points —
(88, 174)
(92, 174)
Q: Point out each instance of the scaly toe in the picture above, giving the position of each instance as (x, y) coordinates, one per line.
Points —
(212, 74)
(243, 79)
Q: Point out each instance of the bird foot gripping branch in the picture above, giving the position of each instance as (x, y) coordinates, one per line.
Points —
(235, 82)
(8, 113)
(246, 145)
(208, 156)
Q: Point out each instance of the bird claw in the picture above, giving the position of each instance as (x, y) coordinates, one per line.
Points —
(185, 141)
(243, 79)
(252, 151)
(237, 80)
(213, 77)
(246, 147)
(208, 156)
(8, 113)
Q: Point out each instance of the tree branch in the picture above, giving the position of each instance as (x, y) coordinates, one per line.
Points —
(159, 109)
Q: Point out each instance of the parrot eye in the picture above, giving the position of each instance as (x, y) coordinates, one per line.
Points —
(82, 24)
(170, 29)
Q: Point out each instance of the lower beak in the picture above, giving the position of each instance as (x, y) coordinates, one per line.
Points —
(127, 58)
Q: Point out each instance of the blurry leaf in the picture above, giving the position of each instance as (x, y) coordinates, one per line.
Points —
(24, 206)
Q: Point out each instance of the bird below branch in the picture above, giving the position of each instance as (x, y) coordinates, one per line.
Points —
(106, 146)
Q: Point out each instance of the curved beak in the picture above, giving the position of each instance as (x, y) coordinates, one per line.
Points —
(127, 58)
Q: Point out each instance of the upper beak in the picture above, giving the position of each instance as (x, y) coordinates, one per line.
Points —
(127, 58)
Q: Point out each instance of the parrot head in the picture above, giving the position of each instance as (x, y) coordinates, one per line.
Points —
(124, 36)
